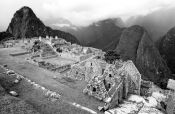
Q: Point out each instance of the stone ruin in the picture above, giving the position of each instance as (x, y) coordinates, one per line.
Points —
(115, 84)
(108, 82)
(52, 47)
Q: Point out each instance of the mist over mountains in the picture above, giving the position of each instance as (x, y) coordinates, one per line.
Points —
(136, 42)
(114, 34)
(157, 23)
(98, 34)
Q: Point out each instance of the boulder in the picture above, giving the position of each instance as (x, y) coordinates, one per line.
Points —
(13, 93)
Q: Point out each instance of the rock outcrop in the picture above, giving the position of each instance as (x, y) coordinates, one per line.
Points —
(135, 44)
(25, 24)
(166, 47)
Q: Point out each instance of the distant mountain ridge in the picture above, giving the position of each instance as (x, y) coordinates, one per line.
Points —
(98, 34)
(104, 32)
(157, 22)
(132, 43)
(25, 24)
(135, 44)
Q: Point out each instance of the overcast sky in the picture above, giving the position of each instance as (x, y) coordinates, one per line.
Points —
(81, 12)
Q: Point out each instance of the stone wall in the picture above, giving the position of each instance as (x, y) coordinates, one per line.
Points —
(77, 72)
(84, 57)
(96, 89)
(134, 77)
(54, 68)
(117, 96)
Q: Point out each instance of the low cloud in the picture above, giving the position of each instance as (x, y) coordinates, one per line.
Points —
(157, 23)
(85, 12)
(81, 12)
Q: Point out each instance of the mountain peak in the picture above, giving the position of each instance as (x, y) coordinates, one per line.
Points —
(26, 7)
(25, 24)
(25, 12)
(136, 44)
(115, 21)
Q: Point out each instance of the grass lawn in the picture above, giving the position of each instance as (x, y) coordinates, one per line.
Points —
(70, 90)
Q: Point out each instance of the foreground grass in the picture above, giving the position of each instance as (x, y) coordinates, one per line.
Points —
(36, 98)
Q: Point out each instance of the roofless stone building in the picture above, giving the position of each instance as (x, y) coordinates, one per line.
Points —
(110, 83)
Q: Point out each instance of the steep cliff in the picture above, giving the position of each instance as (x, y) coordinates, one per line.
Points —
(135, 44)
(166, 47)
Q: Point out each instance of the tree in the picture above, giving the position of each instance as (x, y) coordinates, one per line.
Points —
(111, 56)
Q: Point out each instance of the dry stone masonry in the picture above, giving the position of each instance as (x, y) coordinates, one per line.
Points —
(110, 83)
